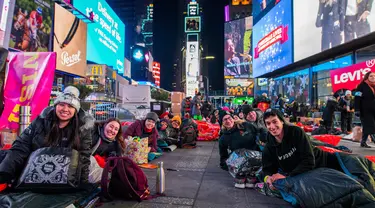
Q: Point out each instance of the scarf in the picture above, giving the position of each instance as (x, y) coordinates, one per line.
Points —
(371, 85)
(102, 135)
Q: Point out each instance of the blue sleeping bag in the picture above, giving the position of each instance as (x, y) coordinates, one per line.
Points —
(324, 187)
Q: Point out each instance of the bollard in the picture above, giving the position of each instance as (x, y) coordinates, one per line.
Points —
(25, 115)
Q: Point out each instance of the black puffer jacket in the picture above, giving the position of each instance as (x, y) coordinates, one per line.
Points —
(33, 138)
(242, 135)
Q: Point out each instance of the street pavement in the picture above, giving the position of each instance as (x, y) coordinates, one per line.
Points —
(199, 182)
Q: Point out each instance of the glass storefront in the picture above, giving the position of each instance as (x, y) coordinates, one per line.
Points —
(321, 80)
(293, 86)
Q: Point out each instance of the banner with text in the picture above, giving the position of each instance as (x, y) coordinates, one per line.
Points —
(28, 82)
(192, 67)
(349, 77)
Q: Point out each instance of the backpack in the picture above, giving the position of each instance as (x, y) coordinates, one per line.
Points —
(188, 136)
(122, 178)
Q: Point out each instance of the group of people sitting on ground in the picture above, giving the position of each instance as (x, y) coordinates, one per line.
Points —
(287, 150)
(66, 125)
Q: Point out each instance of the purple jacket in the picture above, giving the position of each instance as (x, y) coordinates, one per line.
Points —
(136, 129)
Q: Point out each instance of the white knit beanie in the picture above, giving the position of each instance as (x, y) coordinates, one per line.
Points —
(69, 96)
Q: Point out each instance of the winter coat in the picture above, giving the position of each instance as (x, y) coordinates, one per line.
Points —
(364, 102)
(106, 148)
(206, 109)
(197, 104)
(242, 135)
(328, 113)
(260, 126)
(33, 138)
(362, 6)
(137, 130)
(185, 106)
(344, 112)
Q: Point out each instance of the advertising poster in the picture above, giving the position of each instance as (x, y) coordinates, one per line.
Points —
(349, 77)
(239, 87)
(295, 86)
(70, 42)
(237, 48)
(105, 37)
(261, 5)
(192, 67)
(28, 83)
(330, 23)
(273, 40)
(31, 26)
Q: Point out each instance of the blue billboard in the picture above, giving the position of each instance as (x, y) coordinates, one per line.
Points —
(273, 40)
(105, 37)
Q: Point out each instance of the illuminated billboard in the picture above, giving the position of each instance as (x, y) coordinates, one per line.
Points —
(105, 37)
(192, 67)
(192, 24)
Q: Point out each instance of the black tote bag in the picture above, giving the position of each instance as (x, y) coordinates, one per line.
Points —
(51, 169)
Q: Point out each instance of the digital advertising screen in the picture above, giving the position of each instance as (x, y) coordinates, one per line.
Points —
(192, 24)
(192, 67)
(237, 48)
(273, 40)
(31, 26)
(105, 37)
(70, 50)
(330, 23)
(239, 87)
(261, 5)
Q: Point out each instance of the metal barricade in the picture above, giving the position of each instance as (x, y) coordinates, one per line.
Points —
(103, 110)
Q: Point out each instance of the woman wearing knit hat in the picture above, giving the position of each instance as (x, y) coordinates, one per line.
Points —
(145, 128)
(236, 135)
(63, 125)
(173, 131)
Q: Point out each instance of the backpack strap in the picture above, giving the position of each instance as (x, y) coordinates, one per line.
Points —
(106, 176)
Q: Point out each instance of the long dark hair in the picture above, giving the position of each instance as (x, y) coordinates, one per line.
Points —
(365, 77)
(119, 138)
(54, 136)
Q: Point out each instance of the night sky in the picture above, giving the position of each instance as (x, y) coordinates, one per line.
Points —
(168, 29)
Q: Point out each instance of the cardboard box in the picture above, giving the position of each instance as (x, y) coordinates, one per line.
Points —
(176, 107)
(177, 97)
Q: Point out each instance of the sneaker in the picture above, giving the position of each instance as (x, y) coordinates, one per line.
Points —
(364, 145)
(239, 183)
(250, 183)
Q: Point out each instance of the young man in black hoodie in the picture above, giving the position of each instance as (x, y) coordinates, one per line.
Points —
(288, 151)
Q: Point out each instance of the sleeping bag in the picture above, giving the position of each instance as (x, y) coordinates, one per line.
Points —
(324, 187)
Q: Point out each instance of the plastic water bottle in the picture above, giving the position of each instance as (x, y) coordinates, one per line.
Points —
(160, 179)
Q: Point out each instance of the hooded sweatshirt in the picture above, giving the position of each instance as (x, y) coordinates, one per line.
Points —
(293, 156)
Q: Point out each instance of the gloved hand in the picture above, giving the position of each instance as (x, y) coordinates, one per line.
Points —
(357, 113)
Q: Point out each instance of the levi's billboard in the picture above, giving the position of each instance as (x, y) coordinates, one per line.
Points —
(349, 77)
(70, 42)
